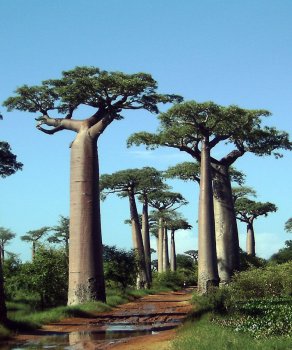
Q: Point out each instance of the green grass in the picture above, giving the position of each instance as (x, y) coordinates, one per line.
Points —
(4, 333)
(205, 335)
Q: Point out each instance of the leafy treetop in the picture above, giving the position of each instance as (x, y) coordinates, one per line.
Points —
(184, 125)
(248, 210)
(107, 92)
(288, 225)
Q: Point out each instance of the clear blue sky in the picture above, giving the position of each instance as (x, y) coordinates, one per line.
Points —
(230, 52)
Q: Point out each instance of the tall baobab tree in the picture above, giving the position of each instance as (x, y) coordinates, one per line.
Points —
(184, 127)
(108, 94)
(126, 183)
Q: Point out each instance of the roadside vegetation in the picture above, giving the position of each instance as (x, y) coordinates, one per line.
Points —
(36, 290)
(253, 312)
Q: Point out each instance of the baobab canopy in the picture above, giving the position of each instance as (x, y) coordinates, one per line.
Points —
(109, 91)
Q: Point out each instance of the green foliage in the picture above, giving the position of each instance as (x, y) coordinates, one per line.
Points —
(246, 208)
(186, 171)
(90, 86)
(269, 281)
(6, 235)
(163, 200)
(183, 125)
(11, 271)
(288, 225)
(46, 276)
(171, 279)
(265, 317)
(284, 254)
(8, 163)
(120, 267)
(248, 261)
(60, 232)
(217, 300)
(185, 262)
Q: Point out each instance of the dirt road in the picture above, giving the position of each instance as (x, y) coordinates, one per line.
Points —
(145, 324)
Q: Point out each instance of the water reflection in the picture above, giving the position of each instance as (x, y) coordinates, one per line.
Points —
(70, 341)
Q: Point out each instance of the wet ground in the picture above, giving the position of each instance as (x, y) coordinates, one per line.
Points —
(147, 323)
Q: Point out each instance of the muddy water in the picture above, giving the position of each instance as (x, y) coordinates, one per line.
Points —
(146, 316)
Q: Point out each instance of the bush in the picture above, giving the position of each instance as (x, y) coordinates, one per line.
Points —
(270, 281)
(169, 279)
(217, 300)
(120, 268)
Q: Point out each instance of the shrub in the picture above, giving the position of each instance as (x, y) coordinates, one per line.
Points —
(169, 279)
(272, 280)
(217, 300)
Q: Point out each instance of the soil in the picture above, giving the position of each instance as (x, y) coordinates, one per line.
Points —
(153, 317)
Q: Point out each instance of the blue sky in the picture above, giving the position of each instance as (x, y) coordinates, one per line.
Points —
(230, 52)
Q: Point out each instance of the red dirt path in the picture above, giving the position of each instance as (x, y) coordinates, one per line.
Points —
(160, 311)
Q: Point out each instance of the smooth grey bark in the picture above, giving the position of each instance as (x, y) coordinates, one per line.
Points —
(142, 278)
(250, 239)
(146, 238)
(227, 243)
(172, 252)
(165, 251)
(207, 261)
(160, 244)
(86, 278)
(3, 310)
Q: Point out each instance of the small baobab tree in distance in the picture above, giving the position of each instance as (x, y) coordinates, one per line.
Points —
(6, 235)
(34, 236)
(247, 211)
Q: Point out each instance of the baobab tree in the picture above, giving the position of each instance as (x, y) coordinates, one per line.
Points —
(151, 181)
(6, 235)
(108, 94)
(34, 236)
(125, 183)
(163, 202)
(247, 211)
(184, 127)
(175, 224)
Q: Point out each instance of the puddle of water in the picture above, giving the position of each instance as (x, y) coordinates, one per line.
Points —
(68, 341)
(111, 333)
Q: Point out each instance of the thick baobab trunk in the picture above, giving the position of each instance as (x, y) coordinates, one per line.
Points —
(172, 252)
(165, 251)
(207, 263)
(250, 240)
(160, 244)
(227, 243)
(146, 238)
(3, 311)
(142, 278)
(86, 277)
